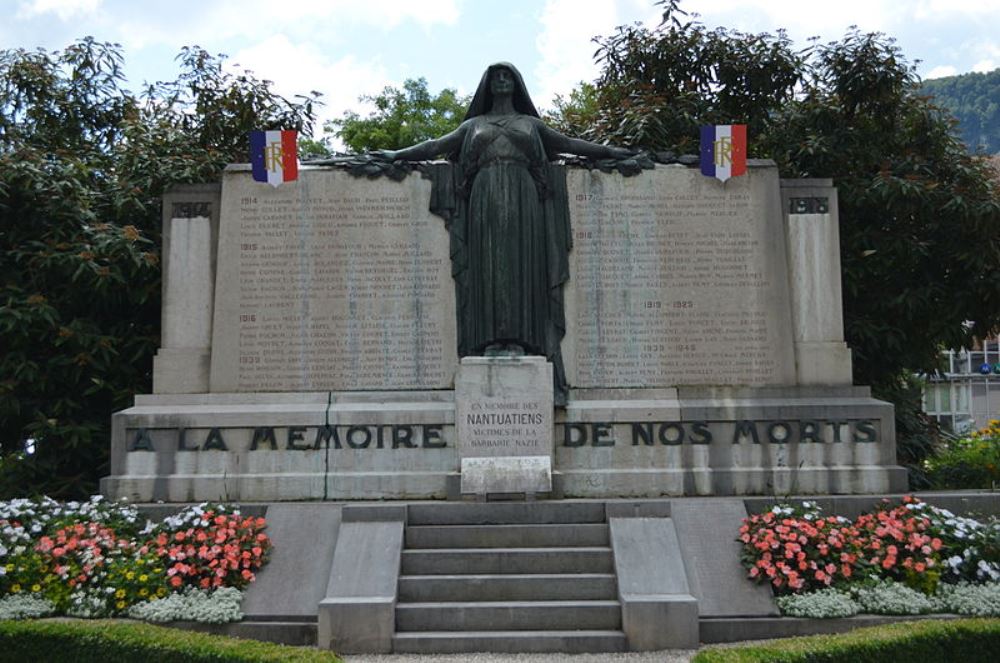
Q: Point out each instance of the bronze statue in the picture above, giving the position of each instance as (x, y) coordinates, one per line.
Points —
(509, 220)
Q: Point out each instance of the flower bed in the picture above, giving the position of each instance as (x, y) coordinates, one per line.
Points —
(100, 559)
(905, 558)
(972, 461)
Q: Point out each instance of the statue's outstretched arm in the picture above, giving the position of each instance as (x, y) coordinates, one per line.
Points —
(428, 149)
(556, 142)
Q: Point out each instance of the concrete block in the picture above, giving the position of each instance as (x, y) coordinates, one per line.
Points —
(181, 371)
(652, 623)
(706, 529)
(658, 611)
(358, 613)
(823, 362)
(510, 474)
(503, 407)
(357, 625)
(304, 538)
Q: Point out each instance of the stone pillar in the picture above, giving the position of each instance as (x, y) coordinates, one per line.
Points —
(504, 422)
(190, 229)
(809, 208)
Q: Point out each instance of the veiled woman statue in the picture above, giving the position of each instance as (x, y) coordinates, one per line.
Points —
(508, 221)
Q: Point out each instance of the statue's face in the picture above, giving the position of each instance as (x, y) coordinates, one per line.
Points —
(501, 81)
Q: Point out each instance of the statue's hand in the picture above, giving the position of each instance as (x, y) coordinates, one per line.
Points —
(622, 152)
(385, 155)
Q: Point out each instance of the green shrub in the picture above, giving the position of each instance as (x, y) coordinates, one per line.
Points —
(965, 640)
(98, 641)
(968, 462)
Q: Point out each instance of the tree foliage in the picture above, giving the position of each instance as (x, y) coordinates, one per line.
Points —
(401, 117)
(657, 87)
(83, 162)
(974, 99)
(919, 217)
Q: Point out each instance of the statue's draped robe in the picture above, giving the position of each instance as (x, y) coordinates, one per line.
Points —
(508, 219)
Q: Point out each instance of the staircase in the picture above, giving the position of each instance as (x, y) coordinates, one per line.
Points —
(517, 577)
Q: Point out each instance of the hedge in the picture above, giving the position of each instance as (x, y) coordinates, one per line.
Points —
(965, 640)
(105, 641)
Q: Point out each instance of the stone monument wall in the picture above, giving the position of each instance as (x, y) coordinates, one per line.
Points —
(677, 279)
(332, 283)
(704, 346)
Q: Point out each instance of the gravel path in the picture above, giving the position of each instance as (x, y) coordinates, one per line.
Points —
(665, 656)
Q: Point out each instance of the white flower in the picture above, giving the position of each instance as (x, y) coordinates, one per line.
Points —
(892, 598)
(822, 604)
(24, 606)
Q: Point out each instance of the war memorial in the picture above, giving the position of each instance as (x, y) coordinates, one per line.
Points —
(503, 400)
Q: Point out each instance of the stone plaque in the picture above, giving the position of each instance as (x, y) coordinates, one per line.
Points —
(677, 278)
(332, 283)
(503, 407)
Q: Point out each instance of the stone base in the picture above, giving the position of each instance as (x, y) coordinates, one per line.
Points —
(403, 445)
(530, 475)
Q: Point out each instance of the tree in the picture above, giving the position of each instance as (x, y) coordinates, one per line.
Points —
(974, 99)
(657, 87)
(920, 218)
(82, 165)
(575, 115)
(401, 118)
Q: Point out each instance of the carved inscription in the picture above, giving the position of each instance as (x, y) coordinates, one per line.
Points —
(344, 284)
(674, 283)
(497, 427)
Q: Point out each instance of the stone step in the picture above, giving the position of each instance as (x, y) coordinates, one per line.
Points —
(470, 561)
(509, 616)
(508, 587)
(494, 513)
(455, 642)
(506, 536)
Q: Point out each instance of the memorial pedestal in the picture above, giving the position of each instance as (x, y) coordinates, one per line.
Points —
(503, 417)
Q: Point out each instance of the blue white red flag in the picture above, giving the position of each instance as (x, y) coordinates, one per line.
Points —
(274, 156)
(724, 150)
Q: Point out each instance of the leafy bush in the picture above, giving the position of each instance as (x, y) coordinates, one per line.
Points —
(965, 640)
(83, 163)
(211, 546)
(968, 462)
(73, 557)
(972, 547)
(897, 542)
(116, 642)
(798, 549)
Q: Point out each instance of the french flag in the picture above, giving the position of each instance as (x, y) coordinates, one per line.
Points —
(724, 151)
(274, 156)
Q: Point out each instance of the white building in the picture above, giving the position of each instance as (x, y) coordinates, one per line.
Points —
(967, 394)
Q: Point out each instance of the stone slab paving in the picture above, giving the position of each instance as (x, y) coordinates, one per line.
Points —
(664, 656)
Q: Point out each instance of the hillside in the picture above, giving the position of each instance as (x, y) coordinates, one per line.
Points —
(975, 100)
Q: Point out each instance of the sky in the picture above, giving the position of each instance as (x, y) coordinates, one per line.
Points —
(347, 48)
